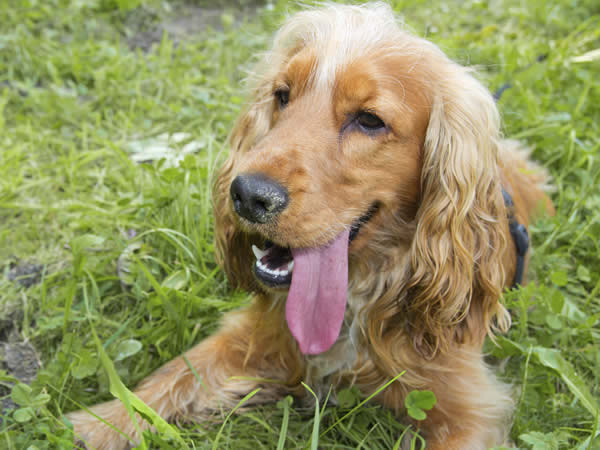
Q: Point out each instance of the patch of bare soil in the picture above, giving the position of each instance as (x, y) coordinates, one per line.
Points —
(26, 274)
(189, 21)
(20, 360)
(17, 356)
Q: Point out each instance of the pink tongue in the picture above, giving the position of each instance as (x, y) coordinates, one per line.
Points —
(316, 300)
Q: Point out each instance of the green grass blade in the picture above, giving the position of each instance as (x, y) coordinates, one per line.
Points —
(585, 445)
(239, 405)
(133, 403)
(398, 442)
(314, 439)
(196, 374)
(284, 423)
(357, 407)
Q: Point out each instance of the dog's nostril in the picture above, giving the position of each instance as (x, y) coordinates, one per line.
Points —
(262, 205)
(258, 198)
(236, 198)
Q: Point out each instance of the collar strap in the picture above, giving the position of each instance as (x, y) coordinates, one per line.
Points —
(520, 238)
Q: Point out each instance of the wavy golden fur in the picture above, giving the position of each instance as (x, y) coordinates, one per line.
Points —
(425, 271)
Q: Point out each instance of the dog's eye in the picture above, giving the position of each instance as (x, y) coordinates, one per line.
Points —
(369, 122)
(283, 97)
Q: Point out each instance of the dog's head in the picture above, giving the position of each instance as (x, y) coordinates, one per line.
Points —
(366, 144)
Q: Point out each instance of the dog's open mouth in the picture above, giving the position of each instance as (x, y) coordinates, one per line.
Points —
(273, 265)
(318, 285)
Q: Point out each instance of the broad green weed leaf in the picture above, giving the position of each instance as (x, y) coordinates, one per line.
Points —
(572, 312)
(86, 241)
(177, 280)
(87, 366)
(172, 175)
(554, 322)
(559, 278)
(417, 402)
(127, 348)
(169, 149)
(21, 394)
(40, 400)
(544, 441)
(347, 398)
(79, 246)
(540, 441)
(416, 413)
(557, 301)
(125, 265)
(552, 358)
(23, 415)
(505, 347)
(67, 422)
(583, 274)
(6, 377)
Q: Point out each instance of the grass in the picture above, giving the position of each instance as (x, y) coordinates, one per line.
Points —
(125, 249)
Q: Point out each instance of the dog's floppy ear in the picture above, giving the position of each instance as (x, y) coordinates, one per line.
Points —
(456, 272)
(233, 245)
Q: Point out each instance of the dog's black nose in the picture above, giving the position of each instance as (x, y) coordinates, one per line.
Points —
(257, 197)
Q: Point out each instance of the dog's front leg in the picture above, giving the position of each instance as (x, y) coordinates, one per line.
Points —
(251, 350)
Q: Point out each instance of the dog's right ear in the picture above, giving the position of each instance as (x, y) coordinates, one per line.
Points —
(233, 246)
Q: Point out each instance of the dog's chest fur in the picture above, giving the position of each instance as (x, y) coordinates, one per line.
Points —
(343, 354)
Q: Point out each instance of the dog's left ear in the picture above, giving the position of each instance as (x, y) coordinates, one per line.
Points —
(456, 275)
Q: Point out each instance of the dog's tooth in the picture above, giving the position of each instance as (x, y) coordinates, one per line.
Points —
(290, 266)
(258, 252)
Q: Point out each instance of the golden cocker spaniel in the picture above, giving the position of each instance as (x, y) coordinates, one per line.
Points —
(368, 203)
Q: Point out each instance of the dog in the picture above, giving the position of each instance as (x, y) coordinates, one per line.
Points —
(372, 206)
